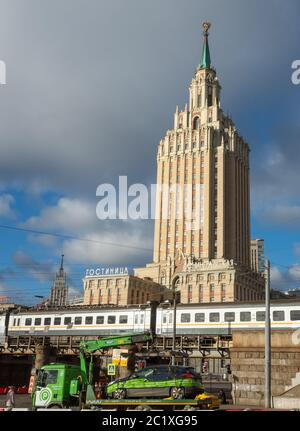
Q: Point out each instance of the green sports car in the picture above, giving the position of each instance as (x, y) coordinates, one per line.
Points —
(158, 381)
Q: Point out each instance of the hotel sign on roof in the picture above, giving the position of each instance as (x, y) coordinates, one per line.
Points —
(104, 272)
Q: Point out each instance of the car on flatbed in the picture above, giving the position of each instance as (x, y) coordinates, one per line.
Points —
(177, 382)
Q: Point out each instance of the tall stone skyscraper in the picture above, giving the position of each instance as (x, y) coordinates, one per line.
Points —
(59, 291)
(202, 205)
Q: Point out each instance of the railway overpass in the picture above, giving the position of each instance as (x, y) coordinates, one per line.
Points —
(243, 350)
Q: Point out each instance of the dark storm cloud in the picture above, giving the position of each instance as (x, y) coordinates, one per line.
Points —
(92, 86)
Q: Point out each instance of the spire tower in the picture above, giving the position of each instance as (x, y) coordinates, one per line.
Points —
(205, 58)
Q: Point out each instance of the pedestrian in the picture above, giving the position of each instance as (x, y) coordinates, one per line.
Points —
(98, 390)
(222, 396)
(10, 397)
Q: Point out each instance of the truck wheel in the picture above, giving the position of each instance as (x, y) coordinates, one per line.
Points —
(119, 394)
(177, 393)
(55, 406)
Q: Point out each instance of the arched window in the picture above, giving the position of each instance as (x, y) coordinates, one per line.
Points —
(196, 123)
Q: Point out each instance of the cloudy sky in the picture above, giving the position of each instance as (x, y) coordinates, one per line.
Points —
(92, 87)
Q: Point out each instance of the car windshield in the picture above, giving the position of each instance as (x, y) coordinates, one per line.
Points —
(146, 372)
(47, 377)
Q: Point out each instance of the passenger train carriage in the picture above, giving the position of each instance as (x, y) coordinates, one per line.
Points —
(3, 326)
(89, 321)
(222, 319)
(191, 319)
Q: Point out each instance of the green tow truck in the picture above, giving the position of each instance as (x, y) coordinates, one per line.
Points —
(71, 386)
(63, 385)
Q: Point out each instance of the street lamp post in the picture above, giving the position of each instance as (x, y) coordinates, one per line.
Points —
(267, 339)
(174, 324)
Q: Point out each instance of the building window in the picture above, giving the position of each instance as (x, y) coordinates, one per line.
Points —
(209, 96)
(196, 123)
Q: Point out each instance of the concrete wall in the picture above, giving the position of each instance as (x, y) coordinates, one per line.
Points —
(247, 365)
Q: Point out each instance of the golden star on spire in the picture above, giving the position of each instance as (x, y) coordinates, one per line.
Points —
(206, 26)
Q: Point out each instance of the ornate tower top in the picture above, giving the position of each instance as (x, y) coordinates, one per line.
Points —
(205, 58)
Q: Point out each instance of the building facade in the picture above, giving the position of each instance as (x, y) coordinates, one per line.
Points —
(203, 198)
(59, 291)
(122, 290)
(258, 255)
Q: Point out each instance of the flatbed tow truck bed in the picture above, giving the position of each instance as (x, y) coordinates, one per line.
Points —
(165, 404)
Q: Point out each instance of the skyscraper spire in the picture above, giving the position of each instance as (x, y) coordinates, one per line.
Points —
(59, 291)
(205, 58)
(62, 262)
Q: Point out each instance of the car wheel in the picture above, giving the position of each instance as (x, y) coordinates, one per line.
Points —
(177, 393)
(119, 394)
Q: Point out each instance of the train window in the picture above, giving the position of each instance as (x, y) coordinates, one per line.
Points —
(185, 317)
(136, 317)
(100, 320)
(19, 322)
(260, 316)
(28, 322)
(68, 320)
(15, 322)
(111, 320)
(89, 320)
(199, 317)
(123, 319)
(37, 321)
(170, 318)
(245, 316)
(47, 321)
(142, 319)
(57, 320)
(78, 320)
(278, 316)
(165, 318)
(214, 317)
(229, 316)
(295, 315)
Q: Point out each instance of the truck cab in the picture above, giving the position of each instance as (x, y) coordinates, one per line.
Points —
(52, 388)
